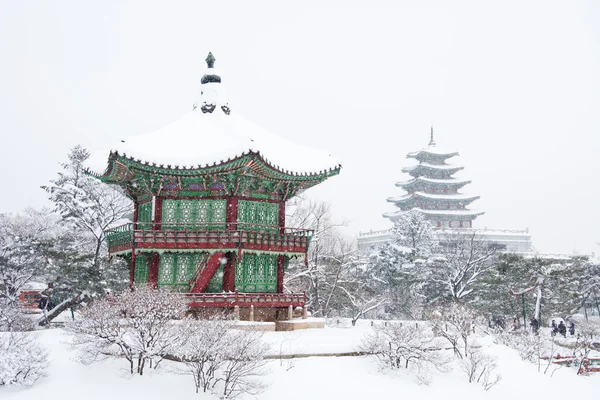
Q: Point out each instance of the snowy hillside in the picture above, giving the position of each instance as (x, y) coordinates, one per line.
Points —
(356, 377)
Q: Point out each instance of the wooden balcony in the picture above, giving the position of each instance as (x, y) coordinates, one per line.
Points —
(225, 300)
(131, 236)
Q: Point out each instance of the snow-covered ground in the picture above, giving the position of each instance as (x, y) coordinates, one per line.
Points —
(301, 378)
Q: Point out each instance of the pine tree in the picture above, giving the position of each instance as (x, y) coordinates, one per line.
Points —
(87, 207)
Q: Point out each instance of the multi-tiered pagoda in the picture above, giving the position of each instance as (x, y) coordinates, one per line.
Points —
(434, 191)
(209, 193)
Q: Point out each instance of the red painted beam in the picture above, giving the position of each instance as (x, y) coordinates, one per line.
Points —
(229, 273)
(153, 270)
(212, 265)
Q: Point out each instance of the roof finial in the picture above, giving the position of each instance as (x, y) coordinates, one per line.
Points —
(210, 60)
(431, 141)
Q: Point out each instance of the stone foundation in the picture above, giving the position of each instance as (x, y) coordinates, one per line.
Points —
(298, 324)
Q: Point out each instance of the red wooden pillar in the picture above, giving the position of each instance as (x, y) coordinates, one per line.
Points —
(157, 213)
(280, 266)
(153, 270)
(229, 273)
(135, 213)
(232, 213)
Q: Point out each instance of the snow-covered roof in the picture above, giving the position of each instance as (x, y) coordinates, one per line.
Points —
(458, 213)
(441, 167)
(457, 196)
(213, 132)
(432, 151)
(433, 180)
(34, 286)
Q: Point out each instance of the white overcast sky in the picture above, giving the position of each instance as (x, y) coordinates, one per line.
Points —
(514, 86)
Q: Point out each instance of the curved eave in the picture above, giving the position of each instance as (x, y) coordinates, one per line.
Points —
(433, 182)
(430, 167)
(121, 169)
(424, 154)
(446, 198)
(461, 214)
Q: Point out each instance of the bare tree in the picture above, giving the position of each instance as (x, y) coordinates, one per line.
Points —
(480, 368)
(409, 346)
(455, 323)
(22, 360)
(244, 364)
(464, 258)
(328, 255)
(204, 350)
(588, 340)
(138, 326)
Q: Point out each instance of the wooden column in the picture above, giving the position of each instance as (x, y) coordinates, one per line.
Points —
(229, 273)
(153, 270)
(135, 213)
(157, 213)
(280, 271)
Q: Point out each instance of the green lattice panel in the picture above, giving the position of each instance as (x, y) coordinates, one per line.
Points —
(176, 270)
(257, 273)
(169, 213)
(141, 270)
(258, 213)
(194, 214)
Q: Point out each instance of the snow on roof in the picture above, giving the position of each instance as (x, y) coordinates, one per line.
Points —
(443, 167)
(433, 180)
(459, 213)
(203, 138)
(434, 151)
(34, 286)
(213, 132)
(457, 196)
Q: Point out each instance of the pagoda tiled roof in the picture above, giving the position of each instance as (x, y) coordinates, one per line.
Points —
(457, 182)
(432, 151)
(438, 167)
(447, 197)
(451, 213)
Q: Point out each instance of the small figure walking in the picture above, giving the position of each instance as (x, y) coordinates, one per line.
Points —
(562, 329)
(535, 325)
(572, 328)
(554, 328)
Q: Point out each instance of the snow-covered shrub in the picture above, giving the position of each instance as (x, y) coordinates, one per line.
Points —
(204, 349)
(409, 346)
(22, 361)
(480, 368)
(588, 340)
(13, 318)
(139, 326)
(527, 345)
(223, 360)
(455, 323)
(244, 364)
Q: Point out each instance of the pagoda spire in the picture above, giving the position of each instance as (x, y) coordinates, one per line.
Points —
(211, 94)
(431, 141)
(210, 60)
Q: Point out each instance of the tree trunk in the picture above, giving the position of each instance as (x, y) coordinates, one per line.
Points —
(538, 303)
(55, 312)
